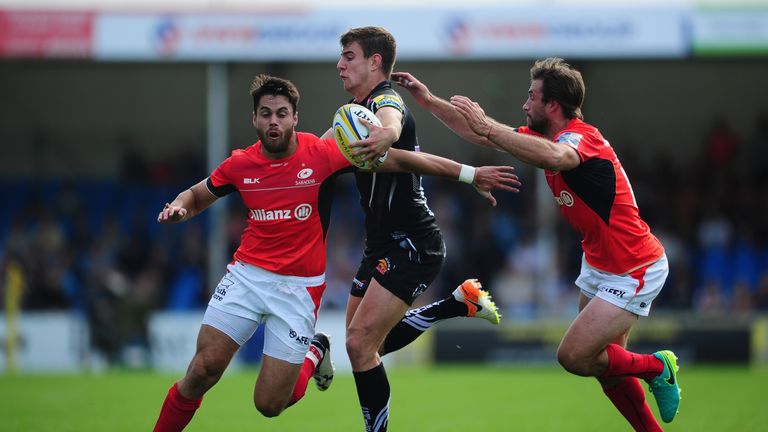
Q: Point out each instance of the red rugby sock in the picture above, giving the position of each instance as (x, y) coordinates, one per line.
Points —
(629, 398)
(313, 358)
(176, 412)
(624, 363)
(307, 369)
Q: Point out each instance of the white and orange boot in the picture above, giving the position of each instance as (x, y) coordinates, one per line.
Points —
(478, 301)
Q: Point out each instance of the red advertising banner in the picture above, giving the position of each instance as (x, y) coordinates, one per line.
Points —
(39, 34)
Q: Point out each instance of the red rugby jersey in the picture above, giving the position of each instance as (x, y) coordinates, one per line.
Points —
(288, 203)
(597, 200)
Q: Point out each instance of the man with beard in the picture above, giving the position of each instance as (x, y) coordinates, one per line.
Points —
(277, 276)
(623, 266)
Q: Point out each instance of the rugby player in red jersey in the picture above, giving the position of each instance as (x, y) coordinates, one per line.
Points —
(623, 266)
(277, 276)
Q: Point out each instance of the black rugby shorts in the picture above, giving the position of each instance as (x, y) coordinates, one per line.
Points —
(405, 267)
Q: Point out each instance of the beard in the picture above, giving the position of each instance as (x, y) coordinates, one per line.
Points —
(274, 145)
(538, 125)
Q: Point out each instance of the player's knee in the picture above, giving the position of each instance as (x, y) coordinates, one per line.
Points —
(571, 361)
(205, 371)
(357, 346)
(354, 345)
(269, 408)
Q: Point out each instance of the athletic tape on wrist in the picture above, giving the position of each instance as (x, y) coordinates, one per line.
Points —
(467, 174)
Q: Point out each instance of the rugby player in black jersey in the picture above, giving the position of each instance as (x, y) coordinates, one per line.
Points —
(404, 249)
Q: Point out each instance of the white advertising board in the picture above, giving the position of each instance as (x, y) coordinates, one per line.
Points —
(47, 342)
(496, 32)
(172, 339)
(721, 32)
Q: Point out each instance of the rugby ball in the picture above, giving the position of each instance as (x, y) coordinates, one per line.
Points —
(349, 127)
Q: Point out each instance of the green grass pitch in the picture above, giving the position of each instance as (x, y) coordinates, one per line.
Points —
(448, 398)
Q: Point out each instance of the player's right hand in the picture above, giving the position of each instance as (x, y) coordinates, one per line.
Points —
(474, 114)
(171, 214)
(378, 142)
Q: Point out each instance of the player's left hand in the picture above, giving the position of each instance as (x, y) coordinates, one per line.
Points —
(379, 140)
(418, 90)
(488, 178)
(171, 214)
(474, 113)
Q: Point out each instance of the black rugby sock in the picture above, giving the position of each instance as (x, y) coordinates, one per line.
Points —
(373, 393)
(417, 321)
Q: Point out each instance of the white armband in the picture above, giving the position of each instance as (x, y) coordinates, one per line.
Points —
(467, 174)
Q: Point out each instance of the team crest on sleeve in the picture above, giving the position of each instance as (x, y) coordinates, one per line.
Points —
(387, 100)
(571, 138)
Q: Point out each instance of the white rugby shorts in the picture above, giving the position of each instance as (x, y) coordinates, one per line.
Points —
(248, 296)
(634, 291)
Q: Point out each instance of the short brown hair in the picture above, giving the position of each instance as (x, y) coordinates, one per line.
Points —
(374, 40)
(265, 84)
(561, 83)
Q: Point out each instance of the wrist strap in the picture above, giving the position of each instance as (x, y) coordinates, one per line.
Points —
(467, 174)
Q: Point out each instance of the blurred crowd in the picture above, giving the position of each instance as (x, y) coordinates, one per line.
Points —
(94, 247)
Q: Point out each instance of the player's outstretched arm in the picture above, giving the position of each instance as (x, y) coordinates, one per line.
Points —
(484, 179)
(533, 150)
(187, 204)
(440, 108)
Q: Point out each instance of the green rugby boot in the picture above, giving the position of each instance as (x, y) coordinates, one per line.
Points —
(665, 387)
